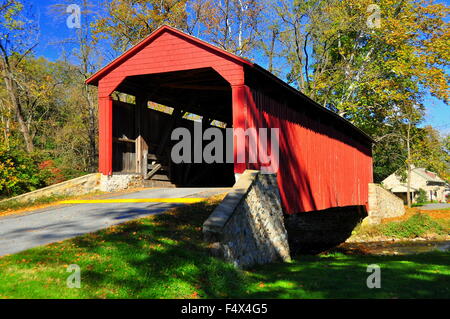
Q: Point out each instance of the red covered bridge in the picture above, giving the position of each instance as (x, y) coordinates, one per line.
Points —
(325, 161)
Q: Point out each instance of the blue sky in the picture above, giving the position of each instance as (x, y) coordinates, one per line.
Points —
(54, 30)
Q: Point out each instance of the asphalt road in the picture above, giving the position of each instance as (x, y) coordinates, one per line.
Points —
(23, 231)
(435, 206)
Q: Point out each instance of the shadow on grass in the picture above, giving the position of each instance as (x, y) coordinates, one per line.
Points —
(163, 256)
(341, 276)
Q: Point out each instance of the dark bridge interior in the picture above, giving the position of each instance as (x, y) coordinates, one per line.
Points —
(142, 130)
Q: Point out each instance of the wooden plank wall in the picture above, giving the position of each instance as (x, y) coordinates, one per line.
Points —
(321, 164)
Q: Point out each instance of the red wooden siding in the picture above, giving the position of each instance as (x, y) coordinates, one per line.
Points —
(167, 52)
(320, 166)
(105, 111)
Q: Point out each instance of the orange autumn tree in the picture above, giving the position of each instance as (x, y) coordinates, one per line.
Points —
(125, 22)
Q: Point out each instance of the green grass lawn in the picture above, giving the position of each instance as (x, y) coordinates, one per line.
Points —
(417, 225)
(163, 256)
(15, 205)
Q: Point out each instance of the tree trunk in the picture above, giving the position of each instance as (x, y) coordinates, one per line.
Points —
(272, 49)
(12, 93)
(408, 163)
(6, 129)
(91, 129)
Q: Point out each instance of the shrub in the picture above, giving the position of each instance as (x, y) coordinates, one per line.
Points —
(422, 197)
(22, 172)
(19, 172)
(50, 173)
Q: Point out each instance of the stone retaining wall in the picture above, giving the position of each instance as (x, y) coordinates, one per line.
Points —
(77, 186)
(247, 228)
(383, 204)
(82, 185)
(117, 182)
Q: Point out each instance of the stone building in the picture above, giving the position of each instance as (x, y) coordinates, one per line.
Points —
(431, 183)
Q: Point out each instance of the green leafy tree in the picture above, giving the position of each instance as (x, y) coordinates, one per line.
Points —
(374, 77)
(85, 60)
(431, 153)
(422, 196)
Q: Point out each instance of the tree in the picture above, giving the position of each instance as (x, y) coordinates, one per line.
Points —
(230, 24)
(16, 42)
(37, 92)
(374, 77)
(125, 22)
(409, 117)
(432, 153)
(87, 59)
(422, 197)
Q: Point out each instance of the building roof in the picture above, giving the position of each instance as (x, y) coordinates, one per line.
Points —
(402, 189)
(419, 171)
(143, 43)
(427, 175)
